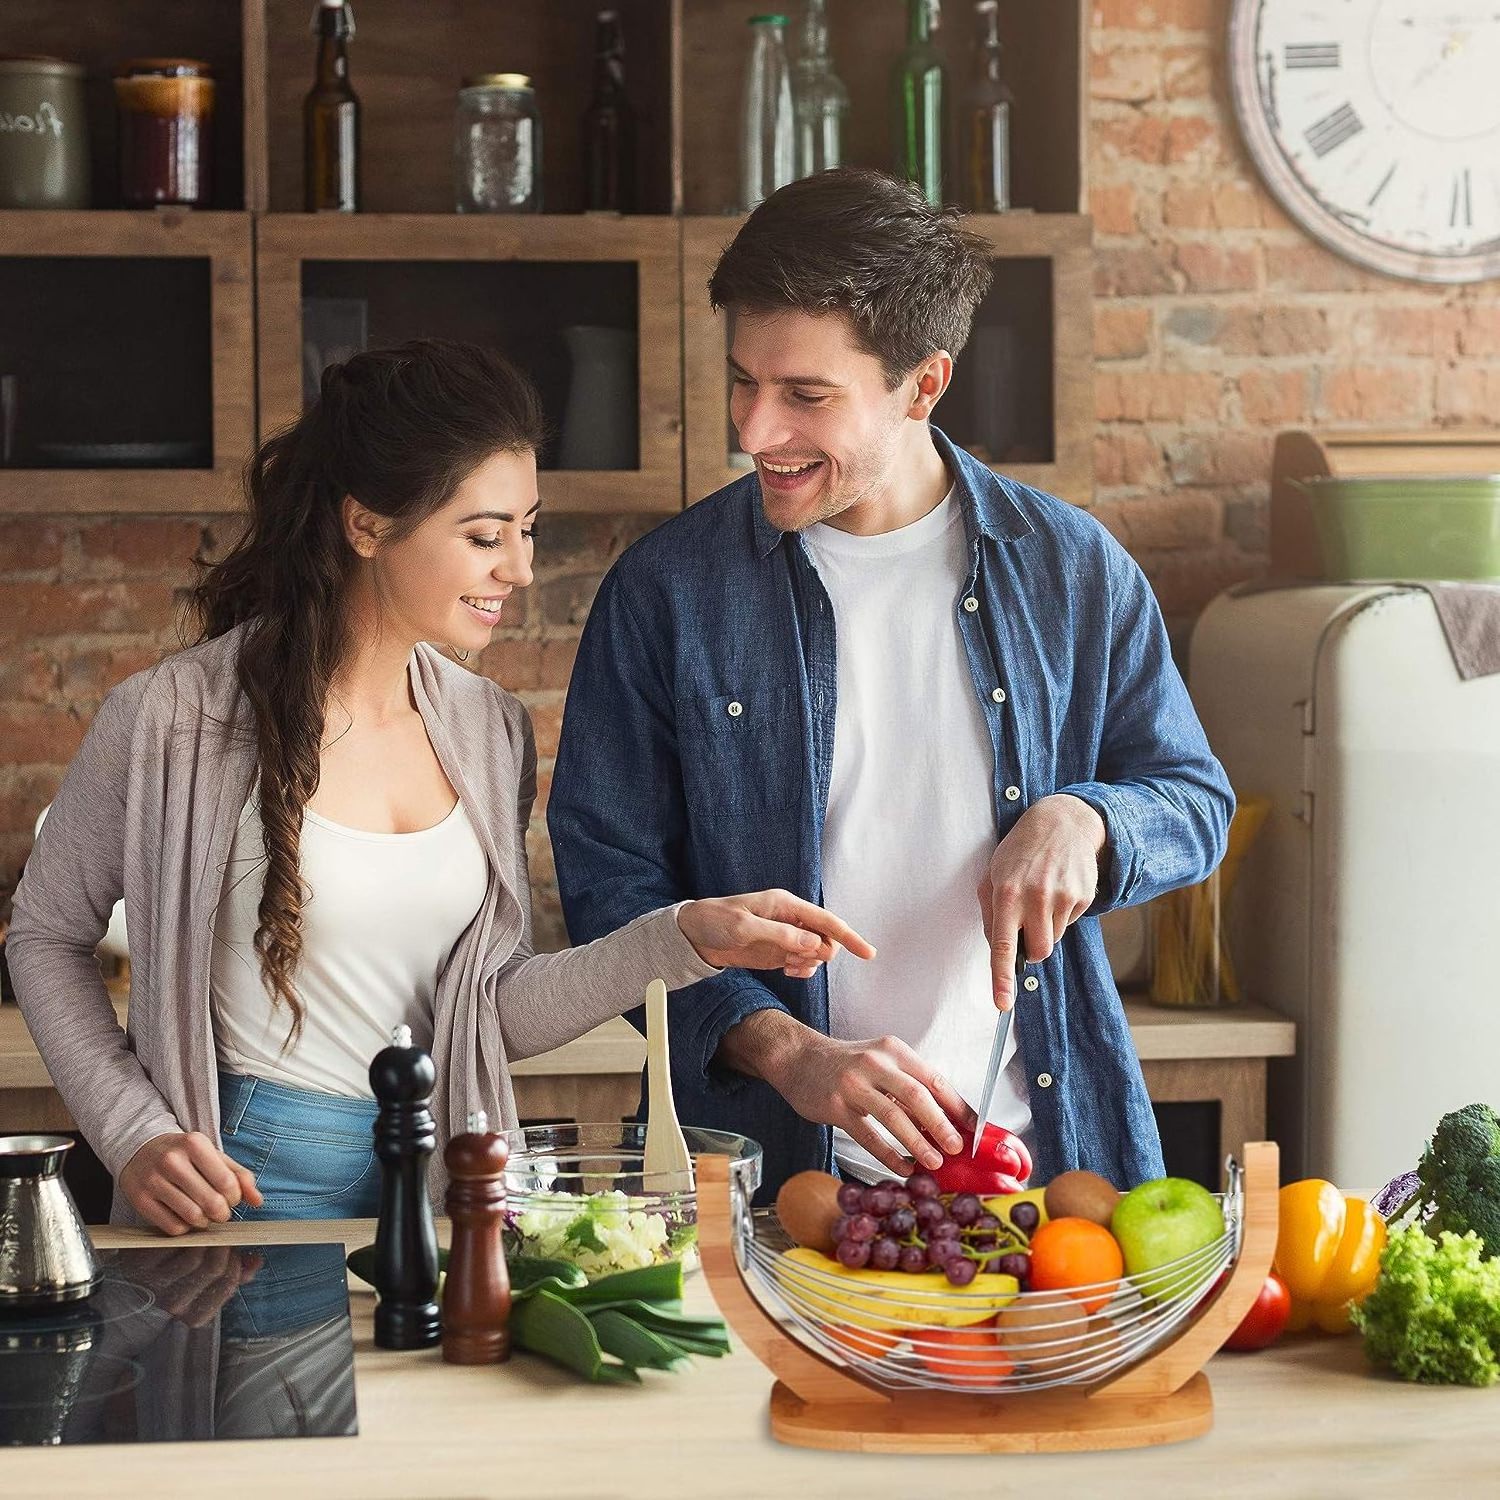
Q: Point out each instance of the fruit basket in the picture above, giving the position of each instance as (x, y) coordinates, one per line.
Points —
(581, 1193)
(914, 1364)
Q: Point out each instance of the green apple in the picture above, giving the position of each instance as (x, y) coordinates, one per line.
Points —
(1160, 1222)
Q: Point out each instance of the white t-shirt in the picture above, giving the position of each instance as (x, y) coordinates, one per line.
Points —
(910, 827)
(382, 919)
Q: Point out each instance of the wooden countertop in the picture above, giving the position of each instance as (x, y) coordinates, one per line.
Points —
(1303, 1419)
(1161, 1034)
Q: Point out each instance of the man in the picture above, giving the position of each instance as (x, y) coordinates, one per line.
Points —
(877, 674)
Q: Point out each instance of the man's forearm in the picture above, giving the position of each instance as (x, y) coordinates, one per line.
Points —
(760, 1045)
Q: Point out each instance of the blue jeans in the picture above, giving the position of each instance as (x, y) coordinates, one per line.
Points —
(312, 1154)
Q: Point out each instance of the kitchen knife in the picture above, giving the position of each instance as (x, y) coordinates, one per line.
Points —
(997, 1051)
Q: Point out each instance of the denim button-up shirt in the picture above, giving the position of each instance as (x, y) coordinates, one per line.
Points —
(697, 748)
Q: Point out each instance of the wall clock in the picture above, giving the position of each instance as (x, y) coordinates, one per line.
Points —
(1376, 123)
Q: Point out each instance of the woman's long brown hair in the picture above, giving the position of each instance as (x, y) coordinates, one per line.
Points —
(399, 429)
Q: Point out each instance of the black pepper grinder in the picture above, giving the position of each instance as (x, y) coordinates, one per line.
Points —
(406, 1252)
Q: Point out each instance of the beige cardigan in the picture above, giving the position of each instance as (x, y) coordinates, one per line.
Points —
(148, 811)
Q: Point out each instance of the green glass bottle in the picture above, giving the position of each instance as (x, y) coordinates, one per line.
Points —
(920, 94)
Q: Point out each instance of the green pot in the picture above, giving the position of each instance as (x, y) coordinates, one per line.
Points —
(44, 138)
(1409, 526)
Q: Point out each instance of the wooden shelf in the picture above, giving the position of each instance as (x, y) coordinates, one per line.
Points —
(1054, 342)
(685, 65)
(222, 242)
(287, 244)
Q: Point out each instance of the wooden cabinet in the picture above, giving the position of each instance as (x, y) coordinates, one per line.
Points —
(230, 365)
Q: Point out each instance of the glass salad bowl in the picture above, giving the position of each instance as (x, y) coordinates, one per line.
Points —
(579, 1193)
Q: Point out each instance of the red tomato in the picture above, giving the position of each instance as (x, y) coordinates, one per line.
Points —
(1262, 1325)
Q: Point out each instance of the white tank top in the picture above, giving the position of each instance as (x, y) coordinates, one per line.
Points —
(384, 914)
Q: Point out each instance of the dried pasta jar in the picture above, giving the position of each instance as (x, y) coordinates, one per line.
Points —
(44, 138)
(497, 146)
(166, 110)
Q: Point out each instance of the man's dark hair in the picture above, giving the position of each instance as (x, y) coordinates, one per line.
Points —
(860, 242)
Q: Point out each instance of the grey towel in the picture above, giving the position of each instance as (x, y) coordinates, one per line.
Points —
(1470, 614)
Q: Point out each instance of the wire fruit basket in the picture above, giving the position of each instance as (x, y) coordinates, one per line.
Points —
(877, 1366)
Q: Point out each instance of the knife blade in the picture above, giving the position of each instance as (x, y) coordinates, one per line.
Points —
(997, 1052)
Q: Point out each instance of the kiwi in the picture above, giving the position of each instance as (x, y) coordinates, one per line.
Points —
(1081, 1195)
(807, 1206)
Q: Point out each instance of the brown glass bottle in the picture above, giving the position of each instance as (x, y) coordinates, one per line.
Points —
(330, 118)
(609, 125)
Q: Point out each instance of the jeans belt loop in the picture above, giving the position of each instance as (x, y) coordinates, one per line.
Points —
(244, 1092)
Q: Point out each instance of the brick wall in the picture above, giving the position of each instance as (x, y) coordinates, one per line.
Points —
(1217, 323)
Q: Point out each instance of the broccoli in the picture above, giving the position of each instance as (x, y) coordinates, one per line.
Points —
(1434, 1314)
(1458, 1178)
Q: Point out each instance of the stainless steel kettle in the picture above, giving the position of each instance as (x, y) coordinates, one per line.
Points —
(45, 1254)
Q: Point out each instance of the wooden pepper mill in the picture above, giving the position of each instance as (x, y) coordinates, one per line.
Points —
(406, 1252)
(476, 1295)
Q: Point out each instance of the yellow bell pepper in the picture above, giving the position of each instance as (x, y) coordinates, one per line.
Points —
(1327, 1252)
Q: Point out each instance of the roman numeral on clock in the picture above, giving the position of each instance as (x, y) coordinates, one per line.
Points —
(1313, 55)
(1334, 129)
(1462, 210)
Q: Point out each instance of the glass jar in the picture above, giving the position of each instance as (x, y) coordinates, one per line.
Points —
(166, 107)
(497, 146)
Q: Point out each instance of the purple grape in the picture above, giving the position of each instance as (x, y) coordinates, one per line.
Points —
(862, 1227)
(903, 1197)
(879, 1201)
(1026, 1216)
(884, 1253)
(944, 1229)
(929, 1211)
(984, 1242)
(841, 1228)
(853, 1253)
(1015, 1265)
(851, 1197)
(985, 1223)
(940, 1252)
(960, 1270)
(922, 1185)
(900, 1222)
(913, 1258)
(895, 1184)
(965, 1209)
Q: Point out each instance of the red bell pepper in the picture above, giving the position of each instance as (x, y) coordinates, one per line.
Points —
(1001, 1165)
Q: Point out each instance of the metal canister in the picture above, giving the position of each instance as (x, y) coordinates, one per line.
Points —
(44, 138)
(166, 109)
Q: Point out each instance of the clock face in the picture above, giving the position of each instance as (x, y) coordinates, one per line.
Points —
(1377, 125)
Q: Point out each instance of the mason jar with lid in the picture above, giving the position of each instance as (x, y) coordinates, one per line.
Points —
(166, 107)
(497, 146)
(44, 138)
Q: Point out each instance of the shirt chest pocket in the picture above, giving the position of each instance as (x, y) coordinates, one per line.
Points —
(742, 750)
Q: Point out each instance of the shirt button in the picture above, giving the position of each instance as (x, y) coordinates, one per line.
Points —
(970, 604)
(1044, 1080)
(998, 696)
(1031, 982)
(736, 709)
(1013, 794)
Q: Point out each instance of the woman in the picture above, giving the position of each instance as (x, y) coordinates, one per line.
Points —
(318, 826)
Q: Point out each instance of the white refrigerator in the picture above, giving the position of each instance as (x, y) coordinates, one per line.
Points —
(1368, 910)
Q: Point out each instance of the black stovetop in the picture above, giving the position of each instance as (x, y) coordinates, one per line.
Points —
(184, 1343)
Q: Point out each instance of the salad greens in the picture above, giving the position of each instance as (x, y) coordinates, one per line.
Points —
(601, 1233)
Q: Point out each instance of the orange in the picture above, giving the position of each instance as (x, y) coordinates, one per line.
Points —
(1069, 1253)
(963, 1356)
(870, 1342)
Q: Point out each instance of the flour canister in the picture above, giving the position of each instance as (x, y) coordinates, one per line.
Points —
(44, 139)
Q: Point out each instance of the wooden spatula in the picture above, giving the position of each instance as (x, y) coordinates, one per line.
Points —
(667, 1165)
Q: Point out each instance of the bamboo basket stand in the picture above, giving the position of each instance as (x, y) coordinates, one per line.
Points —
(815, 1403)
